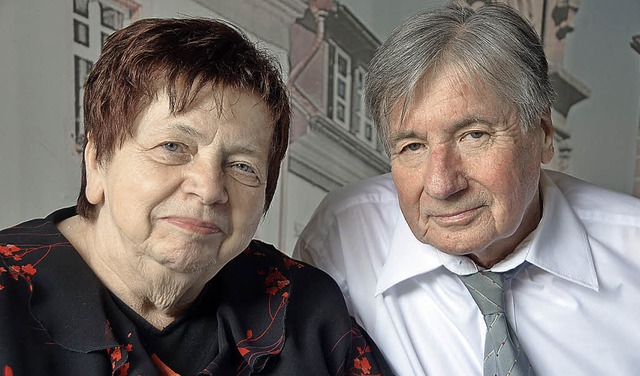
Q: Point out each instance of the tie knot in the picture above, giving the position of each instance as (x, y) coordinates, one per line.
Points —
(486, 289)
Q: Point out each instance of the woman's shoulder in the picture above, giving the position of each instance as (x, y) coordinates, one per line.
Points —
(24, 245)
(317, 316)
(263, 269)
(298, 271)
(309, 290)
(289, 301)
(36, 231)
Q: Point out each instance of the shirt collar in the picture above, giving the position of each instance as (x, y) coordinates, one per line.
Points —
(408, 257)
(559, 246)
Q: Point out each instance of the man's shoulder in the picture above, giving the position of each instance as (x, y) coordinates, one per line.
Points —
(588, 200)
(355, 210)
(377, 190)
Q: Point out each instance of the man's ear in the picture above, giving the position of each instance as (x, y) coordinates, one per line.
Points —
(94, 191)
(547, 137)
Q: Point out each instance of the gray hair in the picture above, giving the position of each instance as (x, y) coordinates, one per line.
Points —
(493, 46)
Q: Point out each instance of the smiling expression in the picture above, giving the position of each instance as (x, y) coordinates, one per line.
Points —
(467, 173)
(186, 192)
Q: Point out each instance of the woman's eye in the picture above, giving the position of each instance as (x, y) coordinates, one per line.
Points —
(173, 153)
(172, 146)
(244, 173)
(244, 168)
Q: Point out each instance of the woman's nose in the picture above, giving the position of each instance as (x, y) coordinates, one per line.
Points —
(206, 180)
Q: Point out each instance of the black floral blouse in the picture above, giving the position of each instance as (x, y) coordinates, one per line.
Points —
(264, 313)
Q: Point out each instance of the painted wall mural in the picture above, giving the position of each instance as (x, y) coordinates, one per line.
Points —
(324, 47)
(333, 139)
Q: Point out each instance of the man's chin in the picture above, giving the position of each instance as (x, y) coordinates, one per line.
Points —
(458, 247)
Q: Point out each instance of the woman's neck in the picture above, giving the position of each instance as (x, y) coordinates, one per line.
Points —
(156, 293)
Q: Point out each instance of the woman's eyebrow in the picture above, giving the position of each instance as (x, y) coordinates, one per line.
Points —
(182, 129)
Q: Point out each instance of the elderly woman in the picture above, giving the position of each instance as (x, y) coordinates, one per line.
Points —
(155, 271)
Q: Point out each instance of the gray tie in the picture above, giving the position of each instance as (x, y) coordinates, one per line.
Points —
(502, 352)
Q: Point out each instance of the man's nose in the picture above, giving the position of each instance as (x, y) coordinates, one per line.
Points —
(443, 175)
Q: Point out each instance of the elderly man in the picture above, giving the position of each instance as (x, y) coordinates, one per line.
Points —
(469, 258)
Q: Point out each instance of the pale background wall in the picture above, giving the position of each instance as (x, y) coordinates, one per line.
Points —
(40, 169)
(605, 125)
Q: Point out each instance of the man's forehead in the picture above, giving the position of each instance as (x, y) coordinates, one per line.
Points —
(463, 95)
(454, 80)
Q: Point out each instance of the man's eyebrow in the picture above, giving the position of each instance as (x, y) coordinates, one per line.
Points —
(402, 135)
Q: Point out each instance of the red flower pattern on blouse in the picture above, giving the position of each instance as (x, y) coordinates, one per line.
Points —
(290, 263)
(11, 251)
(275, 281)
(120, 368)
(119, 361)
(363, 365)
(361, 362)
(276, 285)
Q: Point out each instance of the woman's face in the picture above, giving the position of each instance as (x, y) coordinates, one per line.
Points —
(186, 192)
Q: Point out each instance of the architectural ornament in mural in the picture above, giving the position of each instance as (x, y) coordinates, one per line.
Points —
(553, 20)
(334, 140)
(635, 44)
(93, 22)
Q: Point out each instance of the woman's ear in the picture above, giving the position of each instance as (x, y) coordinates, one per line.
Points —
(547, 137)
(94, 191)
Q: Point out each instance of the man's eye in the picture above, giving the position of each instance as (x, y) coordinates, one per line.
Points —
(414, 146)
(475, 134)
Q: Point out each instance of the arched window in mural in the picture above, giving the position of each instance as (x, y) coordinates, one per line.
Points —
(362, 122)
(341, 74)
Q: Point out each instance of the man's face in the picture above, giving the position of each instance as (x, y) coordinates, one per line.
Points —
(467, 173)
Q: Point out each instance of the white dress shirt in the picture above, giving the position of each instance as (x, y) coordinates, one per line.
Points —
(575, 306)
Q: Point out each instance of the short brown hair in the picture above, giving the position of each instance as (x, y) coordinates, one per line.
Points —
(181, 56)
